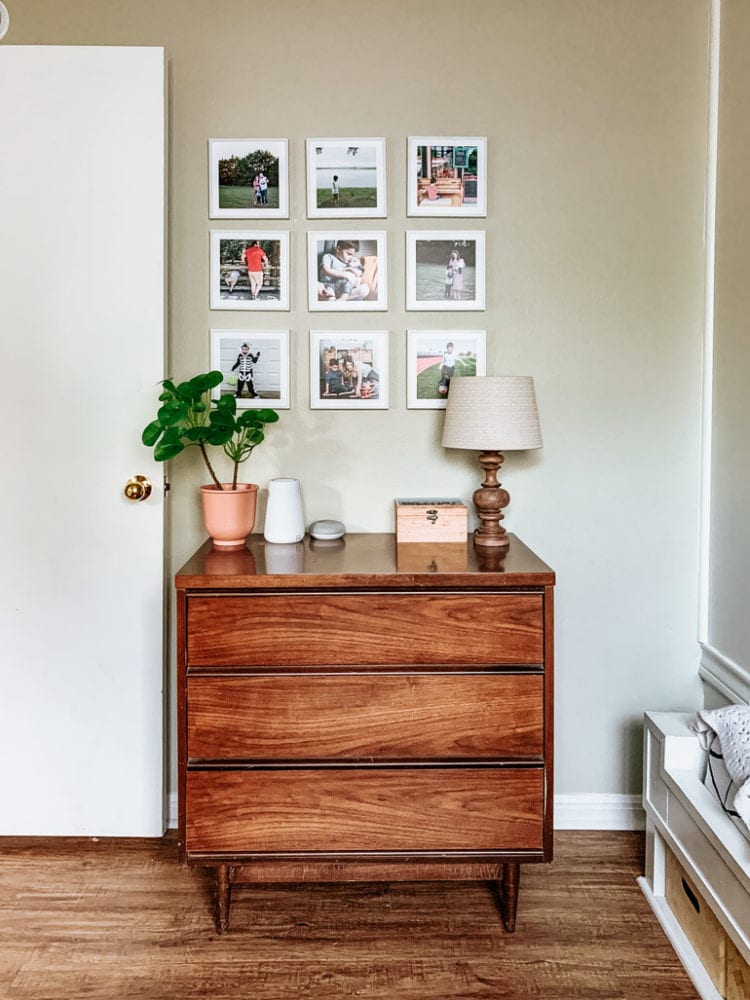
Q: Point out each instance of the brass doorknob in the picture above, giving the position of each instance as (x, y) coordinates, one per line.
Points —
(138, 488)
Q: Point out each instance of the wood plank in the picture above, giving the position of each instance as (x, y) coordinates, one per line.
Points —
(365, 810)
(121, 919)
(378, 629)
(448, 716)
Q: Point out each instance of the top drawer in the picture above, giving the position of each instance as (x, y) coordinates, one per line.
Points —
(347, 629)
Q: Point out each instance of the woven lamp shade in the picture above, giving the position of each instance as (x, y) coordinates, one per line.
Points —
(492, 413)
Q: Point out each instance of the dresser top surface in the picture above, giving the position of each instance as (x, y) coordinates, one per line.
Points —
(361, 560)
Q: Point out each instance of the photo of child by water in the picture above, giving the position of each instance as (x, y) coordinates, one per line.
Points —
(345, 177)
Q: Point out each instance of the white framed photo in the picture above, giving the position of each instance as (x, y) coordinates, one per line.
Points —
(349, 369)
(249, 270)
(347, 271)
(255, 365)
(446, 176)
(345, 178)
(248, 179)
(445, 270)
(436, 357)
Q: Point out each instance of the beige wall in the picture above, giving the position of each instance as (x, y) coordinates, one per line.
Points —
(595, 113)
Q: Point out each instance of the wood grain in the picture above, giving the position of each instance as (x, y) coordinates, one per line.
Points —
(365, 810)
(352, 629)
(359, 560)
(121, 920)
(449, 716)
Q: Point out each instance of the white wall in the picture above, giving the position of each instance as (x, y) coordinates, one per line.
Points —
(727, 648)
(595, 113)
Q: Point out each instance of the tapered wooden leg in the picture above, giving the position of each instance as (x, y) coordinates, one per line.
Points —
(509, 895)
(223, 889)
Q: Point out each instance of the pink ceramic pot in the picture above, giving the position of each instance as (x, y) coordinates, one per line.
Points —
(229, 515)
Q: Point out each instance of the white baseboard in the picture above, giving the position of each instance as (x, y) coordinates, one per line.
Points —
(599, 812)
(572, 812)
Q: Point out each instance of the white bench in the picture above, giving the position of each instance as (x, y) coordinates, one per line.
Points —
(713, 857)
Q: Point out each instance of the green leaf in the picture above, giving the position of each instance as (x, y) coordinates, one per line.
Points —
(152, 433)
(166, 450)
(268, 416)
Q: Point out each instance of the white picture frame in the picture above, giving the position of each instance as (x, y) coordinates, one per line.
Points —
(446, 176)
(234, 164)
(427, 380)
(249, 270)
(361, 381)
(430, 286)
(346, 178)
(342, 266)
(268, 352)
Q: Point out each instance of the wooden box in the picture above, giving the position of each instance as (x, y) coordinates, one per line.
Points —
(697, 920)
(425, 519)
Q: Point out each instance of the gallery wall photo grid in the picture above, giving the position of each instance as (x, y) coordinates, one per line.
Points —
(248, 178)
(346, 178)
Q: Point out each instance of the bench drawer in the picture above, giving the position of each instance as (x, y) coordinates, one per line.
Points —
(380, 716)
(365, 810)
(365, 629)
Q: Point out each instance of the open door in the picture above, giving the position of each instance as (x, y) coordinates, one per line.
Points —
(81, 350)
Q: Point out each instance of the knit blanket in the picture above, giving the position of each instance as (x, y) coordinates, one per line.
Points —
(730, 728)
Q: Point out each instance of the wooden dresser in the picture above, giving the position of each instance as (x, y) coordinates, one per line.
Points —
(362, 711)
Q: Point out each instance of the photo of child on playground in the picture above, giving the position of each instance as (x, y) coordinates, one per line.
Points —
(436, 357)
(249, 271)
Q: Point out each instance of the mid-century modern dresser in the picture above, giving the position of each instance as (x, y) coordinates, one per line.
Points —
(360, 711)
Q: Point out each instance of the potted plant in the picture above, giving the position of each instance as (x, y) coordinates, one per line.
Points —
(189, 417)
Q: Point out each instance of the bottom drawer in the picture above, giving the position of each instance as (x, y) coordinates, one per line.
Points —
(697, 920)
(373, 809)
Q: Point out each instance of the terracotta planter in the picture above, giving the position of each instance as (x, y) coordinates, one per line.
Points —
(229, 515)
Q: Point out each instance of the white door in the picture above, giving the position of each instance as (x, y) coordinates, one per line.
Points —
(81, 350)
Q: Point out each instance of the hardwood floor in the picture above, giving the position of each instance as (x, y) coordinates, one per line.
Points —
(116, 919)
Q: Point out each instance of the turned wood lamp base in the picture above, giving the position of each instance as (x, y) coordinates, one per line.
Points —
(489, 501)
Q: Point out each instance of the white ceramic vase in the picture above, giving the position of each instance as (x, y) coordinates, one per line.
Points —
(285, 523)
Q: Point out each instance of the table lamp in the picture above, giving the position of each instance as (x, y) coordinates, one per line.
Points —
(492, 414)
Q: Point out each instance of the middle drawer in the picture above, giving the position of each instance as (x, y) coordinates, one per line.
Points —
(353, 716)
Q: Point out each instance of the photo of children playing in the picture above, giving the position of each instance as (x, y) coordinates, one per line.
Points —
(350, 369)
(445, 269)
(345, 176)
(249, 270)
(345, 272)
(436, 358)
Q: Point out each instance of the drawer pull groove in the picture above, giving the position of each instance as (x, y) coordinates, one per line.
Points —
(695, 902)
